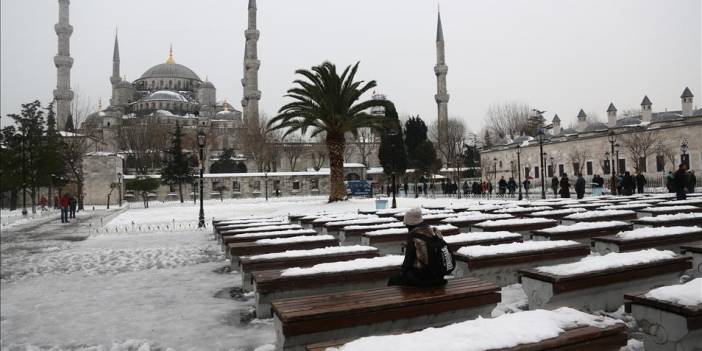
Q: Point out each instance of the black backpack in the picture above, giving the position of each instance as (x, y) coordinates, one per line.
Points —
(441, 261)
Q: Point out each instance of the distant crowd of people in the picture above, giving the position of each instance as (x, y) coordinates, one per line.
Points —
(682, 182)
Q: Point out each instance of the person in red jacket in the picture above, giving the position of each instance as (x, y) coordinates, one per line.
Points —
(64, 203)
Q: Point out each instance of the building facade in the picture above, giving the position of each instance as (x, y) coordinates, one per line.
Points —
(651, 143)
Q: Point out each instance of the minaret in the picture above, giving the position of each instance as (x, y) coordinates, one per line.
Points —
(441, 97)
(63, 61)
(251, 64)
(115, 63)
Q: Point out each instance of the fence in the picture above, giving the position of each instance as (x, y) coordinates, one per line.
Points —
(133, 228)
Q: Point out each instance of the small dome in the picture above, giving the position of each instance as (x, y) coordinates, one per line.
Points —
(170, 70)
(166, 95)
(207, 85)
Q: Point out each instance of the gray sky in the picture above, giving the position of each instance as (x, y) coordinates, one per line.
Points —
(558, 55)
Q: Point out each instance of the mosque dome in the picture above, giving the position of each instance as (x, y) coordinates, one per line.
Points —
(170, 70)
(207, 84)
(165, 95)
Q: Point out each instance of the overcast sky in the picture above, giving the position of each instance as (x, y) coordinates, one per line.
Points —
(557, 55)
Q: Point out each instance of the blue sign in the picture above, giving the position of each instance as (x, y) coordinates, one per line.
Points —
(358, 187)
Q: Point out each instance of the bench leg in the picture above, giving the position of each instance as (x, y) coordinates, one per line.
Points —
(665, 331)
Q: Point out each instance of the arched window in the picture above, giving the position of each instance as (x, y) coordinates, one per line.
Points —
(178, 85)
(160, 105)
(170, 83)
(161, 84)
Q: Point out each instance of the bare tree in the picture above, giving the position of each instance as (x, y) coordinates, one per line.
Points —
(509, 120)
(367, 143)
(452, 147)
(640, 146)
(262, 144)
(143, 142)
(293, 149)
(578, 156)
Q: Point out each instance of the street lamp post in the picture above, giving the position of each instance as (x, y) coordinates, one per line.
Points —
(519, 170)
(119, 187)
(494, 163)
(265, 179)
(201, 139)
(684, 157)
(24, 176)
(392, 133)
(612, 138)
(553, 168)
(540, 136)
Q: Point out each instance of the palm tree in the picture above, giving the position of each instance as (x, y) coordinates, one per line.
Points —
(328, 103)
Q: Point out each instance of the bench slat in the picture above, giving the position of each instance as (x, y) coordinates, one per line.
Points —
(645, 243)
(248, 264)
(524, 257)
(271, 280)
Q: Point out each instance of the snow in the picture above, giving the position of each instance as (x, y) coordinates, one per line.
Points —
(671, 208)
(480, 236)
(555, 203)
(279, 232)
(346, 266)
(375, 226)
(235, 226)
(476, 216)
(487, 207)
(515, 221)
(259, 229)
(367, 220)
(342, 217)
(391, 211)
(313, 252)
(688, 294)
(445, 227)
(595, 214)
(558, 212)
(512, 299)
(294, 239)
(649, 232)
(499, 249)
(505, 331)
(670, 217)
(583, 226)
(681, 202)
(611, 260)
(629, 206)
(523, 209)
(395, 231)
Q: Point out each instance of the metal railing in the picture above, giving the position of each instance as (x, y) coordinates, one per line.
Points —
(134, 228)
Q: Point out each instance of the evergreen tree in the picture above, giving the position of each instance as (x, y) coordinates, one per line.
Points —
(391, 152)
(69, 124)
(421, 154)
(10, 164)
(52, 160)
(415, 134)
(177, 169)
(225, 164)
(30, 125)
(143, 185)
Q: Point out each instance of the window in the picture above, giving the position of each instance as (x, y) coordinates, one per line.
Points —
(561, 170)
(588, 167)
(527, 171)
(236, 186)
(576, 167)
(642, 164)
(549, 169)
(296, 185)
(500, 163)
(660, 163)
(170, 84)
(606, 167)
(536, 172)
(256, 186)
(314, 184)
(621, 167)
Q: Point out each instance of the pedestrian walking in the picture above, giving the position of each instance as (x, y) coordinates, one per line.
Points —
(580, 186)
(65, 202)
(73, 203)
(565, 186)
(555, 185)
(628, 184)
(679, 182)
(640, 183)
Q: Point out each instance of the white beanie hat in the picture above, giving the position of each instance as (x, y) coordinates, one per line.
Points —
(413, 216)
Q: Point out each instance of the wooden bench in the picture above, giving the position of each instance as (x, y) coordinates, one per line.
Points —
(319, 223)
(367, 212)
(295, 218)
(581, 232)
(352, 233)
(556, 214)
(390, 212)
(599, 216)
(491, 264)
(430, 216)
(587, 206)
(693, 201)
(391, 241)
(522, 226)
(522, 211)
(335, 227)
(260, 229)
(298, 258)
(668, 210)
(244, 219)
(275, 284)
(666, 325)
(684, 219)
(601, 289)
(259, 247)
(668, 238)
(306, 320)
(578, 336)
(253, 236)
(628, 206)
(465, 221)
(694, 250)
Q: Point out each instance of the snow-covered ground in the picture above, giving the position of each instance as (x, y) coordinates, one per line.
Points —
(63, 289)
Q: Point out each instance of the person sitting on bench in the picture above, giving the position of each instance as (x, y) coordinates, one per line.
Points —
(415, 267)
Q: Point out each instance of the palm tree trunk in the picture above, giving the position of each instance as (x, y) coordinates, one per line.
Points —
(335, 146)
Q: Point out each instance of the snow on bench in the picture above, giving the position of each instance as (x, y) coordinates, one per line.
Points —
(389, 212)
(587, 206)
(253, 236)
(264, 246)
(598, 216)
(554, 204)
(425, 212)
(581, 231)
(260, 229)
(350, 231)
(693, 202)
(627, 206)
(299, 258)
(245, 219)
(685, 219)
(335, 227)
(694, 250)
(302, 321)
(322, 278)
(667, 210)
(516, 225)
(392, 240)
(663, 238)
(465, 220)
(516, 211)
(499, 263)
(319, 223)
(670, 316)
(599, 282)
(217, 228)
(540, 330)
(458, 241)
(556, 214)
(308, 220)
(487, 207)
